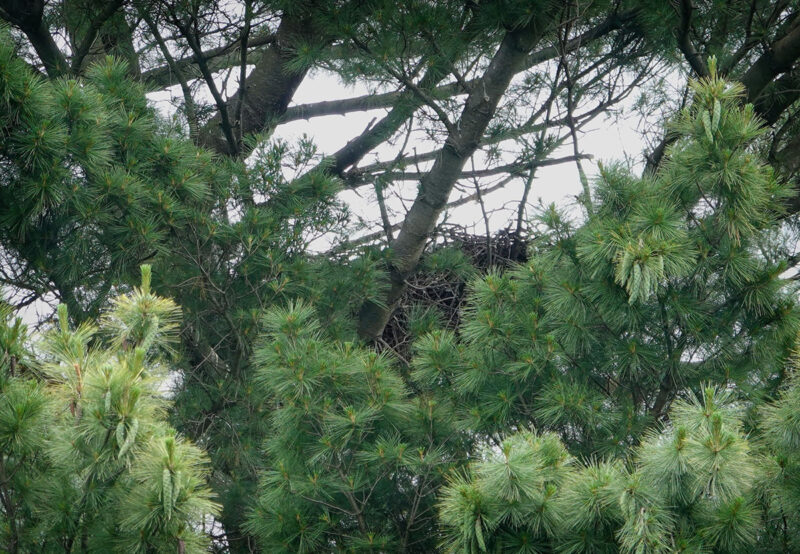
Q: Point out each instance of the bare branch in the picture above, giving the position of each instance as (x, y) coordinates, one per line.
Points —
(191, 113)
(461, 201)
(514, 168)
(216, 58)
(388, 99)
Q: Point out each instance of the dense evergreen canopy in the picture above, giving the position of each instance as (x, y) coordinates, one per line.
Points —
(620, 380)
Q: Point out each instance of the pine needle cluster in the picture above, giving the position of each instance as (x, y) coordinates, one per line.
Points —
(87, 458)
(606, 341)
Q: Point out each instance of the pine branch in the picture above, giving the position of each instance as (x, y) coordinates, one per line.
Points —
(28, 15)
(389, 99)
(684, 9)
(435, 187)
(96, 22)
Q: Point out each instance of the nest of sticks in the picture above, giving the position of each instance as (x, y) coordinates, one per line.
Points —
(444, 291)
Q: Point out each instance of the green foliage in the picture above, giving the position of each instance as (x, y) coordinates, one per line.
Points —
(663, 290)
(623, 390)
(780, 482)
(690, 487)
(608, 395)
(348, 450)
(88, 460)
(94, 184)
(511, 488)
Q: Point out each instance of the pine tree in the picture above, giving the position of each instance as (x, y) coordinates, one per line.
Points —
(95, 183)
(625, 389)
(666, 288)
(353, 460)
(87, 458)
(619, 392)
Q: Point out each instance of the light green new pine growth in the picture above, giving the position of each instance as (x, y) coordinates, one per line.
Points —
(345, 443)
(647, 519)
(167, 497)
(142, 319)
(166, 492)
(516, 491)
(85, 442)
(508, 497)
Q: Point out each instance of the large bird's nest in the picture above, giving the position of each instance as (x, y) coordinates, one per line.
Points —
(440, 293)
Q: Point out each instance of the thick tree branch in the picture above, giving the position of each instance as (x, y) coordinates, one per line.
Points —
(270, 86)
(29, 17)
(778, 97)
(352, 152)
(696, 61)
(97, 21)
(359, 177)
(779, 58)
(435, 187)
(403, 108)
